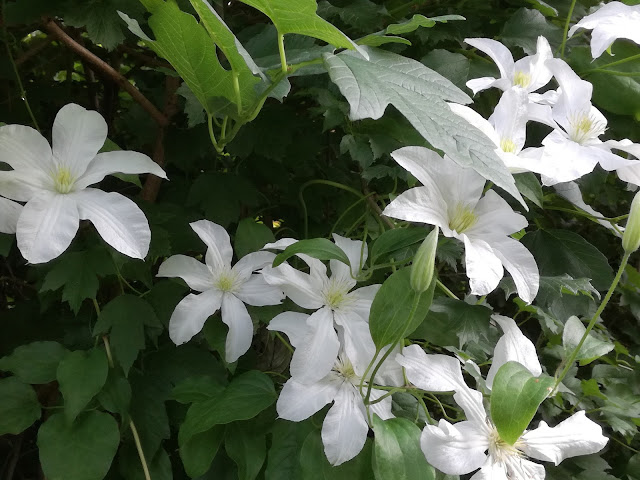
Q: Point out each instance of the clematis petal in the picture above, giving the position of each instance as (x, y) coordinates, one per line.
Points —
(23, 185)
(513, 346)
(251, 262)
(236, 317)
(477, 120)
(300, 287)
(356, 252)
(509, 119)
(478, 84)
(577, 435)
(520, 263)
(495, 217)
(46, 226)
(383, 407)
(602, 38)
(420, 205)
(454, 449)
(484, 268)
(120, 161)
(518, 467)
(315, 357)
(118, 220)
(432, 373)
(194, 273)
(359, 301)
(257, 292)
(344, 430)
(216, 238)
(191, 313)
(564, 160)
(571, 191)
(498, 52)
(298, 401)
(23, 148)
(492, 471)
(358, 343)
(575, 96)
(293, 324)
(471, 402)
(317, 269)
(9, 214)
(78, 134)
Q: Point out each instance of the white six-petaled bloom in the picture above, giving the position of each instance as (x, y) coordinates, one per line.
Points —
(53, 182)
(529, 73)
(475, 443)
(337, 307)
(223, 287)
(344, 430)
(573, 149)
(451, 198)
(610, 22)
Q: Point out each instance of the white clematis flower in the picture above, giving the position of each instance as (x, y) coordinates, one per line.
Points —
(9, 214)
(573, 149)
(54, 180)
(611, 21)
(223, 287)
(344, 430)
(507, 128)
(529, 73)
(630, 173)
(451, 199)
(337, 307)
(475, 443)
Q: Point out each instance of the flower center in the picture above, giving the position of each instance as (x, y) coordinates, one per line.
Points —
(335, 293)
(226, 281)
(507, 145)
(344, 368)
(500, 450)
(521, 79)
(583, 127)
(63, 180)
(463, 218)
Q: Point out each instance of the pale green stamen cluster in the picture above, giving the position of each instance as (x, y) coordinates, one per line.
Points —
(63, 180)
(344, 368)
(462, 219)
(584, 127)
(507, 145)
(521, 79)
(226, 281)
(335, 293)
(500, 450)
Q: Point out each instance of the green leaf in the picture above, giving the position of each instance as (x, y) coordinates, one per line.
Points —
(185, 43)
(378, 38)
(315, 465)
(196, 389)
(245, 397)
(420, 94)
(358, 148)
(525, 26)
(82, 450)
(19, 406)
(6, 241)
(35, 363)
(247, 448)
(78, 273)
(115, 396)
(198, 451)
(287, 438)
(319, 248)
(251, 236)
(452, 66)
(418, 21)
(392, 306)
(396, 239)
(124, 318)
(396, 452)
(81, 376)
(591, 349)
(299, 16)
(563, 252)
(529, 187)
(515, 397)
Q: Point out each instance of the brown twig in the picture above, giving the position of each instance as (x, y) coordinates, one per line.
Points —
(95, 62)
(152, 183)
(374, 205)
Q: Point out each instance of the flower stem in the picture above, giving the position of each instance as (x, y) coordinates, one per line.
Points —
(602, 68)
(444, 288)
(566, 28)
(283, 56)
(594, 319)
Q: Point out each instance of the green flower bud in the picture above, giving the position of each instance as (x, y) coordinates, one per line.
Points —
(424, 262)
(631, 236)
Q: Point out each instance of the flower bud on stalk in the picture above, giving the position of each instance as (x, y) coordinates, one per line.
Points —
(424, 263)
(631, 236)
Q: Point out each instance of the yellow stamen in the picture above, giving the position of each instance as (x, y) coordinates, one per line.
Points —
(63, 180)
(462, 219)
(521, 79)
(507, 145)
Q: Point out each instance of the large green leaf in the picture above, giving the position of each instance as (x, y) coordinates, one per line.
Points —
(515, 397)
(36, 362)
(561, 252)
(395, 239)
(245, 397)
(396, 451)
(391, 307)
(251, 236)
(319, 248)
(283, 461)
(19, 406)
(82, 450)
(418, 21)
(81, 376)
(247, 448)
(420, 94)
(299, 16)
(315, 465)
(198, 452)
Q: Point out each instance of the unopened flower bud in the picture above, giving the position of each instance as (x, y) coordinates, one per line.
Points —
(631, 236)
(424, 262)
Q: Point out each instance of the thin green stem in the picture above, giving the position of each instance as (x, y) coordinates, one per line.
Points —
(588, 215)
(321, 182)
(616, 73)
(236, 89)
(283, 55)
(212, 135)
(613, 64)
(594, 319)
(566, 28)
(22, 91)
(444, 288)
(284, 342)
